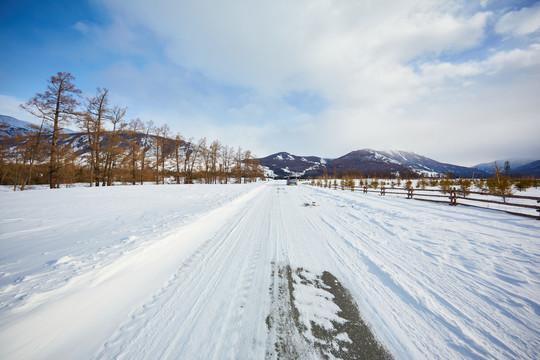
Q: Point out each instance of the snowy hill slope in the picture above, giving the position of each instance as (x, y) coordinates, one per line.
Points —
(391, 161)
(77, 140)
(529, 169)
(520, 166)
(283, 164)
(11, 126)
(514, 163)
(367, 161)
(419, 163)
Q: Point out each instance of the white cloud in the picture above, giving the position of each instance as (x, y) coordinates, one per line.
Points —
(516, 58)
(10, 106)
(522, 22)
(439, 72)
(117, 37)
(280, 45)
(376, 63)
(436, 73)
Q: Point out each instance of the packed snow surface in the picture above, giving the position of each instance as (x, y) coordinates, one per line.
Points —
(184, 271)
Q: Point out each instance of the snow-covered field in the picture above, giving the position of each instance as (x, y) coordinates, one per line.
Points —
(208, 271)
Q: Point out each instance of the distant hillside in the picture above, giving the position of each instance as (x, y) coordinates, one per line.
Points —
(515, 163)
(381, 161)
(11, 126)
(283, 164)
(367, 161)
(530, 169)
(422, 164)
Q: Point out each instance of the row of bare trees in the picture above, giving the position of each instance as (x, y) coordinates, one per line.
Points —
(108, 148)
(153, 154)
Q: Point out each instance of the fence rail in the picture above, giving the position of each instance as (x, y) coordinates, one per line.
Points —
(456, 197)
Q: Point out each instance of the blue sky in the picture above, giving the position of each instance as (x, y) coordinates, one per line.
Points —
(456, 81)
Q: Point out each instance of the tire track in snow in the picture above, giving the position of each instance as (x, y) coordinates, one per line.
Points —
(186, 316)
(228, 346)
(341, 257)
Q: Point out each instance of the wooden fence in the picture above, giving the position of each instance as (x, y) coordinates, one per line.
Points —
(529, 205)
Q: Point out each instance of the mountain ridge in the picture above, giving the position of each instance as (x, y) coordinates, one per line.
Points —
(13, 126)
(366, 161)
(515, 163)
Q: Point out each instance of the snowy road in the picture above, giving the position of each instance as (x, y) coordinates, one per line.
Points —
(210, 279)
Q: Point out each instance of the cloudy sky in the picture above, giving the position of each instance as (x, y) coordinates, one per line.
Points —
(457, 81)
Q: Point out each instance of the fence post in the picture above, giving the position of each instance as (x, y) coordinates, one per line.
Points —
(383, 191)
(538, 201)
(453, 197)
(365, 189)
(410, 193)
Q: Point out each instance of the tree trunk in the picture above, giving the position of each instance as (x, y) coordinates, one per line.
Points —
(53, 167)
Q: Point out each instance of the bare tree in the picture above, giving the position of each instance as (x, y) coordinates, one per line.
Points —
(161, 151)
(67, 160)
(252, 170)
(113, 149)
(56, 106)
(226, 163)
(178, 143)
(145, 142)
(134, 127)
(16, 158)
(206, 162)
(34, 152)
(98, 112)
(188, 152)
(192, 154)
(4, 154)
(213, 153)
(84, 122)
(120, 153)
(238, 169)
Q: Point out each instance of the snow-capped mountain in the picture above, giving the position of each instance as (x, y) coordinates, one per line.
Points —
(391, 161)
(11, 126)
(367, 161)
(283, 164)
(515, 163)
(422, 164)
(530, 169)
